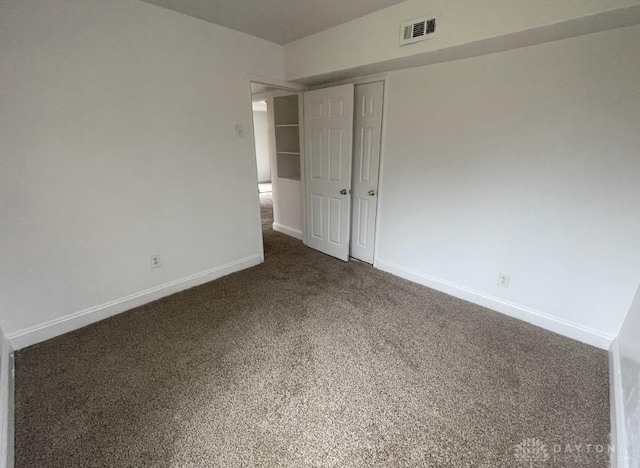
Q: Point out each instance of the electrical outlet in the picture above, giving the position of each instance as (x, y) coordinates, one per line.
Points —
(240, 131)
(503, 280)
(155, 261)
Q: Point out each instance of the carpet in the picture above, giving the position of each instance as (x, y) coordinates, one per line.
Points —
(308, 361)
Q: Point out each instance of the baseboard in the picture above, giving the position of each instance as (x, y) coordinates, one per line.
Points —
(540, 319)
(6, 403)
(289, 231)
(53, 328)
(619, 455)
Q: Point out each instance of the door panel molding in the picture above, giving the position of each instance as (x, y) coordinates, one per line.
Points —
(328, 130)
(366, 169)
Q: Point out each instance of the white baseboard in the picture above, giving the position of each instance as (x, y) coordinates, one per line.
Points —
(6, 404)
(289, 231)
(619, 455)
(59, 326)
(540, 319)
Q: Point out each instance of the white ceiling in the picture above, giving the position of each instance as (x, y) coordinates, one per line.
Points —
(278, 21)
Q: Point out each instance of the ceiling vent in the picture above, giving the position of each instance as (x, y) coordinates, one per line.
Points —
(417, 30)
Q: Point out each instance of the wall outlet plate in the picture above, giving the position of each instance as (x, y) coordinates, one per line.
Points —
(154, 260)
(503, 280)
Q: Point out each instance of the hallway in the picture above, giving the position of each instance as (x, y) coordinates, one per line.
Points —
(306, 361)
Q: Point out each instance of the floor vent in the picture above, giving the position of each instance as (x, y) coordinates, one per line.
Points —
(417, 30)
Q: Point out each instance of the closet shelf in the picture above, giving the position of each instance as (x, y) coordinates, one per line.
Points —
(287, 133)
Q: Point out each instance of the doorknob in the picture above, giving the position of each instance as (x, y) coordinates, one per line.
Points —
(371, 193)
(343, 191)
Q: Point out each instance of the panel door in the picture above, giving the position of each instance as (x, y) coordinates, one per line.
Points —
(328, 128)
(366, 166)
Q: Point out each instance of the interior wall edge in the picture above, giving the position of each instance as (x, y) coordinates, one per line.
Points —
(289, 231)
(276, 82)
(619, 455)
(538, 318)
(51, 329)
(6, 403)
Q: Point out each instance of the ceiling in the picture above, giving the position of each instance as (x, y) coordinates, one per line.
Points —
(278, 21)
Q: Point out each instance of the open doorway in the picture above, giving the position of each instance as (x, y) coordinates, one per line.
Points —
(263, 164)
(261, 140)
(277, 136)
(324, 159)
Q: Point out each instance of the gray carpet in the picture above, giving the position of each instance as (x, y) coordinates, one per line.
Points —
(309, 361)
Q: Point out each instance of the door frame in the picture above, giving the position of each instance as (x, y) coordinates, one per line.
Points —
(384, 77)
(285, 86)
(299, 88)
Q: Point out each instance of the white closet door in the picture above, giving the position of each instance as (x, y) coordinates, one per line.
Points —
(366, 166)
(328, 129)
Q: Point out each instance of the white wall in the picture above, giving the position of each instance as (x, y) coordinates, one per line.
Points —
(524, 162)
(261, 134)
(288, 201)
(117, 141)
(628, 347)
(374, 38)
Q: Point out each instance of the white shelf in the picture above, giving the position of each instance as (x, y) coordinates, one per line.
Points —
(288, 166)
(287, 133)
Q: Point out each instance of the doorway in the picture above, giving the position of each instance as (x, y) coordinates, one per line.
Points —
(276, 126)
(324, 163)
(343, 128)
(261, 142)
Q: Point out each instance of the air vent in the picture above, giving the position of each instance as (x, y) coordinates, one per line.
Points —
(417, 30)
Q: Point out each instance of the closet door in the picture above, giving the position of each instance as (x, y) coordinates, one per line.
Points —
(328, 128)
(366, 166)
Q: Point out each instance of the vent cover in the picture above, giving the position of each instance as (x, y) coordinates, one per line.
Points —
(417, 30)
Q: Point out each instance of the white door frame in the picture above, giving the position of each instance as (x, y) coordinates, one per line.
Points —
(384, 77)
(287, 86)
(296, 87)
(275, 82)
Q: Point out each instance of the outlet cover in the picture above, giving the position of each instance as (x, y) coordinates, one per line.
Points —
(155, 261)
(503, 280)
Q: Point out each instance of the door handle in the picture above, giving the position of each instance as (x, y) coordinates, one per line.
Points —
(371, 193)
(343, 191)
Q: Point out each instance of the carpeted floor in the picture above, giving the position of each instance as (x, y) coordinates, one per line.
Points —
(309, 361)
